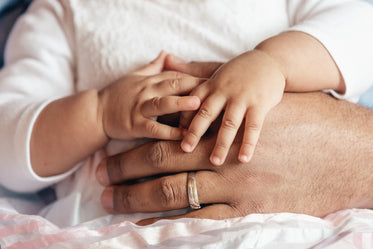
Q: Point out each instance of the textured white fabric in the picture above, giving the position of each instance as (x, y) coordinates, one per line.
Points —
(62, 47)
(350, 229)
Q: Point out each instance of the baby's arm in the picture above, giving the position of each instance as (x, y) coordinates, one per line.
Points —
(37, 71)
(248, 86)
(304, 62)
(126, 109)
(292, 61)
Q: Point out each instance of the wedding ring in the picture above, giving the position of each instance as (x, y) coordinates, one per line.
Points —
(192, 191)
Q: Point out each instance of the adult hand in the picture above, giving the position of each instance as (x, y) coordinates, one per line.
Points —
(196, 69)
(301, 165)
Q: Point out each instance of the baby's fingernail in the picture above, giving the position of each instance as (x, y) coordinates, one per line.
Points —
(186, 147)
(244, 159)
(194, 102)
(216, 160)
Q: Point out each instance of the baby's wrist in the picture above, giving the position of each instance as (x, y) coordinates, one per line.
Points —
(273, 63)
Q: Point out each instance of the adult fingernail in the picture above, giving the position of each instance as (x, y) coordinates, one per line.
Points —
(107, 199)
(102, 175)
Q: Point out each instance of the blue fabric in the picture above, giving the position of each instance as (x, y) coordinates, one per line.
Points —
(367, 98)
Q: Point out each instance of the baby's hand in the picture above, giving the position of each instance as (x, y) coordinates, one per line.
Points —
(247, 87)
(129, 107)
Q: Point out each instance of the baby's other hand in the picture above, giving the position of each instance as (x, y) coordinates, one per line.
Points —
(130, 106)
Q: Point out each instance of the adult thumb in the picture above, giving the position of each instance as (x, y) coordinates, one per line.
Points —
(196, 69)
(154, 67)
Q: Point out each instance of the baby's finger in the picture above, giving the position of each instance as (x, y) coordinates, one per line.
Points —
(159, 106)
(201, 92)
(181, 84)
(253, 125)
(153, 129)
(208, 112)
(232, 120)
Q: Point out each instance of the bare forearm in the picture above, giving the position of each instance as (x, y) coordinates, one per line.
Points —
(304, 61)
(66, 131)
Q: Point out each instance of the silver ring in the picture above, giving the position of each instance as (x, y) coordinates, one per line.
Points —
(192, 191)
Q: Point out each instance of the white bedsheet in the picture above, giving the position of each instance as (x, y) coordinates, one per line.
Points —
(344, 229)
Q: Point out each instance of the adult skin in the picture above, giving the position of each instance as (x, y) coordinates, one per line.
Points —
(314, 156)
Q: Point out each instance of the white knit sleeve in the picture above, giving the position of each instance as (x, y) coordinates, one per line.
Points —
(345, 28)
(38, 70)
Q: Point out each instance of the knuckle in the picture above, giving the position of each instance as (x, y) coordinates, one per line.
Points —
(193, 133)
(177, 75)
(157, 155)
(229, 124)
(205, 112)
(156, 102)
(253, 126)
(168, 192)
(152, 128)
(220, 145)
(175, 83)
(125, 200)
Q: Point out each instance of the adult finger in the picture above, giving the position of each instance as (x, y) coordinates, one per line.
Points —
(253, 125)
(159, 106)
(178, 84)
(231, 122)
(209, 111)
(153, 129)
(171, 76)
(197, 69)
(165, 193)
(152, 159)
(154, 67)
(213, 212)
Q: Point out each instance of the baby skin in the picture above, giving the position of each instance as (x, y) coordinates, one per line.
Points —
(251, 84)
(247, 87)
(126, 109)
